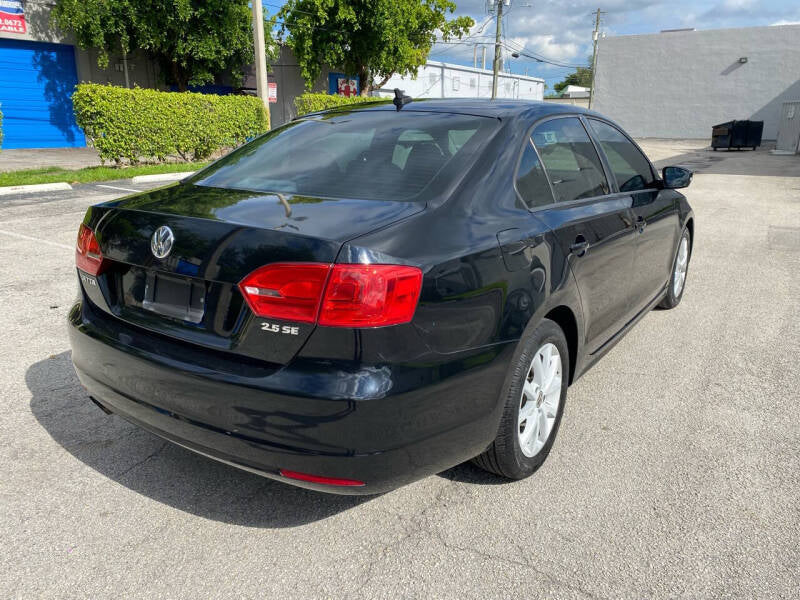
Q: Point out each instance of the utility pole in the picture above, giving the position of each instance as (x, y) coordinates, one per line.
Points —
(595, 36)
(497, 36)
(125, 68)
(262, 89)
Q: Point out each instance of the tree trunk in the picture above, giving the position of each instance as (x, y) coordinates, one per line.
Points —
(365, 80)
(179, 77)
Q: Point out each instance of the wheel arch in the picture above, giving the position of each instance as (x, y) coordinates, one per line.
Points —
(690, 227)
(565, 318)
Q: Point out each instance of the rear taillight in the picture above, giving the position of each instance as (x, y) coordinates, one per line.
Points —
(370, 295)
(289, 291)
(334, 295)
(88, 257)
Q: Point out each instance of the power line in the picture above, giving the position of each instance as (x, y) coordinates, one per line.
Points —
(523, 51)
(468, 40)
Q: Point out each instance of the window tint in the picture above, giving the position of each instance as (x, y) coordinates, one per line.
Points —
(531, 181)
(378, 155)
(570, 159)
(629, 166)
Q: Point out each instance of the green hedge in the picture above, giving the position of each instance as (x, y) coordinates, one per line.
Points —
(308, 103)
(139, 124)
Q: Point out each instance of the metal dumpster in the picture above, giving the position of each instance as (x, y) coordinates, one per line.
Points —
(737, 134)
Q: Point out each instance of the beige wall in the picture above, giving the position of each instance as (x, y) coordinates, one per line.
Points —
(286, 73)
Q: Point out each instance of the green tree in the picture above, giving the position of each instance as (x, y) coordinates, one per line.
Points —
(192, 40)
(582, 77)
(373, 39)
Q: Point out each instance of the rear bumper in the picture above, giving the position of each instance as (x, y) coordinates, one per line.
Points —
(383, 425)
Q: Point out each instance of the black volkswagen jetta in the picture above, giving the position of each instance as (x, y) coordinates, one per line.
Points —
(364, 297)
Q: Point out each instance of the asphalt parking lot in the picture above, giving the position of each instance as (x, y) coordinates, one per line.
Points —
(676, 472)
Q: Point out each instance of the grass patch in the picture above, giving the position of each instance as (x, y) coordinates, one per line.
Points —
(90, 174)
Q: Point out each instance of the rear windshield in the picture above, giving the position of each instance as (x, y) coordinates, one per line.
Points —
(378, 155)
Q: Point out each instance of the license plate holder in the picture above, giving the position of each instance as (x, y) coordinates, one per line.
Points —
(177, 297)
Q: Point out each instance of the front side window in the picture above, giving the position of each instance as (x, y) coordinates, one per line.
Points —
(628, 164)
(570, 159)
(375, 155)
(531, 181)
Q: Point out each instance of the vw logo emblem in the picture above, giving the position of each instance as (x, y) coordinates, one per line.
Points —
(161, 242)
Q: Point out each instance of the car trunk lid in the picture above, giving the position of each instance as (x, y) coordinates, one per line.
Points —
(218, 237)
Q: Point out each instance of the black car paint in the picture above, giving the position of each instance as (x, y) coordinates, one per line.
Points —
(384, 405)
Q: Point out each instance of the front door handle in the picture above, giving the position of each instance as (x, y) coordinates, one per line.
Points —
(580, 246)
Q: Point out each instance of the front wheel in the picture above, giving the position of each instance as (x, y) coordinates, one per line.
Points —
(534, 403)
(677, 282)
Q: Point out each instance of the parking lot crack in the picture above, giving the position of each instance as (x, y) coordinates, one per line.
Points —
(147, 458)
(525, 563)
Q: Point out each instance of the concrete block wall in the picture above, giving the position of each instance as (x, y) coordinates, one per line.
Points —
(680, 84)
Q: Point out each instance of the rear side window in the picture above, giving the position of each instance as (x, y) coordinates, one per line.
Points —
(570, 159)
(531, 181)
(628, 164)
(378, 155)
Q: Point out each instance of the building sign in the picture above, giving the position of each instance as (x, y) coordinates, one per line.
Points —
(346, 87)
(343, 85)
(272, 89)
(12, 17)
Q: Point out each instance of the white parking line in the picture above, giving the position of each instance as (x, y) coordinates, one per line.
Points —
(33, 239)
(112, 187)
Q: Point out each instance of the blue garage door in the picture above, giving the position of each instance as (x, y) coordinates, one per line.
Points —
(36, 85)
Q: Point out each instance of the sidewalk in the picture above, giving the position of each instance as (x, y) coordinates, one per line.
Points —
(37, 158)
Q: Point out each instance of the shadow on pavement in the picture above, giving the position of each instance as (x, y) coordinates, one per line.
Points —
(160, 470)
(469, 473)
(735, 162)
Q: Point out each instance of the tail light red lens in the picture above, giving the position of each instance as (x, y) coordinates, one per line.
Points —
(88, 256)
(334, 295)
(290, 291)
(320, 479)
(370, 295)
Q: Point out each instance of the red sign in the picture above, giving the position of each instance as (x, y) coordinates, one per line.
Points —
(347, 87)
(12, 17)
(272, 90)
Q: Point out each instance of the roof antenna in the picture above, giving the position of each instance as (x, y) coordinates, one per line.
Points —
(400, 98)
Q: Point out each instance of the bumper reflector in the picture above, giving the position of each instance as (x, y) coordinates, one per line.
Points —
(320, 479)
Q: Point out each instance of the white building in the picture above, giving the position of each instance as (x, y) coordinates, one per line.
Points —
(679, 84)
(446, 80)
(575, 91)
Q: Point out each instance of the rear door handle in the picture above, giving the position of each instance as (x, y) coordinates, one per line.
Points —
(580, 246)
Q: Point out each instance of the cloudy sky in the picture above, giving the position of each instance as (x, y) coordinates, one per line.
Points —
(562, 30)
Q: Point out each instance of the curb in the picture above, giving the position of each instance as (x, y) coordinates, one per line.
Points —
(38, 187)
(161, 177)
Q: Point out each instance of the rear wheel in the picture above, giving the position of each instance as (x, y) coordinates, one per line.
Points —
(534, 403)
(677, 282)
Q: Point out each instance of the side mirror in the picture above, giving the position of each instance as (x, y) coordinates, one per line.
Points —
(676, 177)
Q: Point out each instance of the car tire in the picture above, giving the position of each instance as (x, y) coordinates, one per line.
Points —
(518, 451)
(680, 269)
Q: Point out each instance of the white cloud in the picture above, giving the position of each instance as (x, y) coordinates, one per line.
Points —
(561, 30)
(548, 46)
(785, 22)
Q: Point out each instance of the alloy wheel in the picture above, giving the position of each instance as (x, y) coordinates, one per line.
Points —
(681, 265)
(540, 399)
